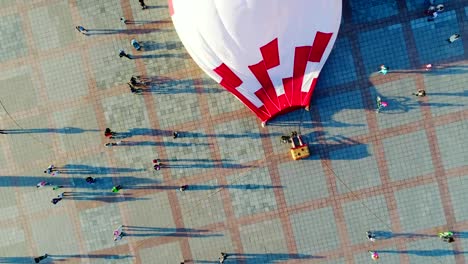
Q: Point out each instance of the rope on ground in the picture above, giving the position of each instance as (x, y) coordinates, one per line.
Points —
(18, 125)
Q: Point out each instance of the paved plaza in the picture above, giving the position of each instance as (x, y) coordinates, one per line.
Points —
(402, 173)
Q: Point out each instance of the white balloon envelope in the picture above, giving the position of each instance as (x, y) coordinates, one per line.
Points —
(268, 53)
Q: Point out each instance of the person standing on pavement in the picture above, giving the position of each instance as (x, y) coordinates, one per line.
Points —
(82, 30)
(143, 5)
(38, 259)
(122, 53)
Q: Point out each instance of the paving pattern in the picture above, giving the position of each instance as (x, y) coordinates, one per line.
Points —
(402, 173)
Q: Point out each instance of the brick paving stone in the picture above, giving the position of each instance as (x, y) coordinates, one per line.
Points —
(416, 214)
(407, 150)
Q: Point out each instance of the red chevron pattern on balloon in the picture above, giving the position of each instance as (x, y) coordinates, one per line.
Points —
(267, 53)
(292, 98)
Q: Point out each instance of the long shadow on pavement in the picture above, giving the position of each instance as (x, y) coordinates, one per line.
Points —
(64, 130)
(426, 253)
(264, 258)
(143, 231)
(62, 257)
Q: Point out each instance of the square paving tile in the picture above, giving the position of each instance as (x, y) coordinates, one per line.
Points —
(446, 94)
(202, 205)
(239, 141)
(339, 68)
(408, 155)
(59, 88)
(220, 100)
(303, 182)
(97, 225)
(306, 237)
(12, 234)
(77, 125)
(13, 252)
(403, 107)
(97, 14)
(24, 96)
(26, 148)
(371, 10)
(431, 38)
(126, 113)
(459, 196)
(384, 46)
(150, 217)
(51, 26)
(343, 114)
(59, 240)
(420, 208)
(8, 203)
(108, 69)
(166, 253)
(252, 192)
(359, 219)
(182, 108)
(207, 250)
(189, 154)
(254, 239)
(12, 38)
(453, 144)
(361, 173)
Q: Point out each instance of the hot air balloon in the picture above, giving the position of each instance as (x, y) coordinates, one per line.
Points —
(267, 53)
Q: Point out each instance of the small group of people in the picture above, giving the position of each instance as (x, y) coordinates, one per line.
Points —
(433, 10)
(446, 236)
(118, 233)
(137, 83)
